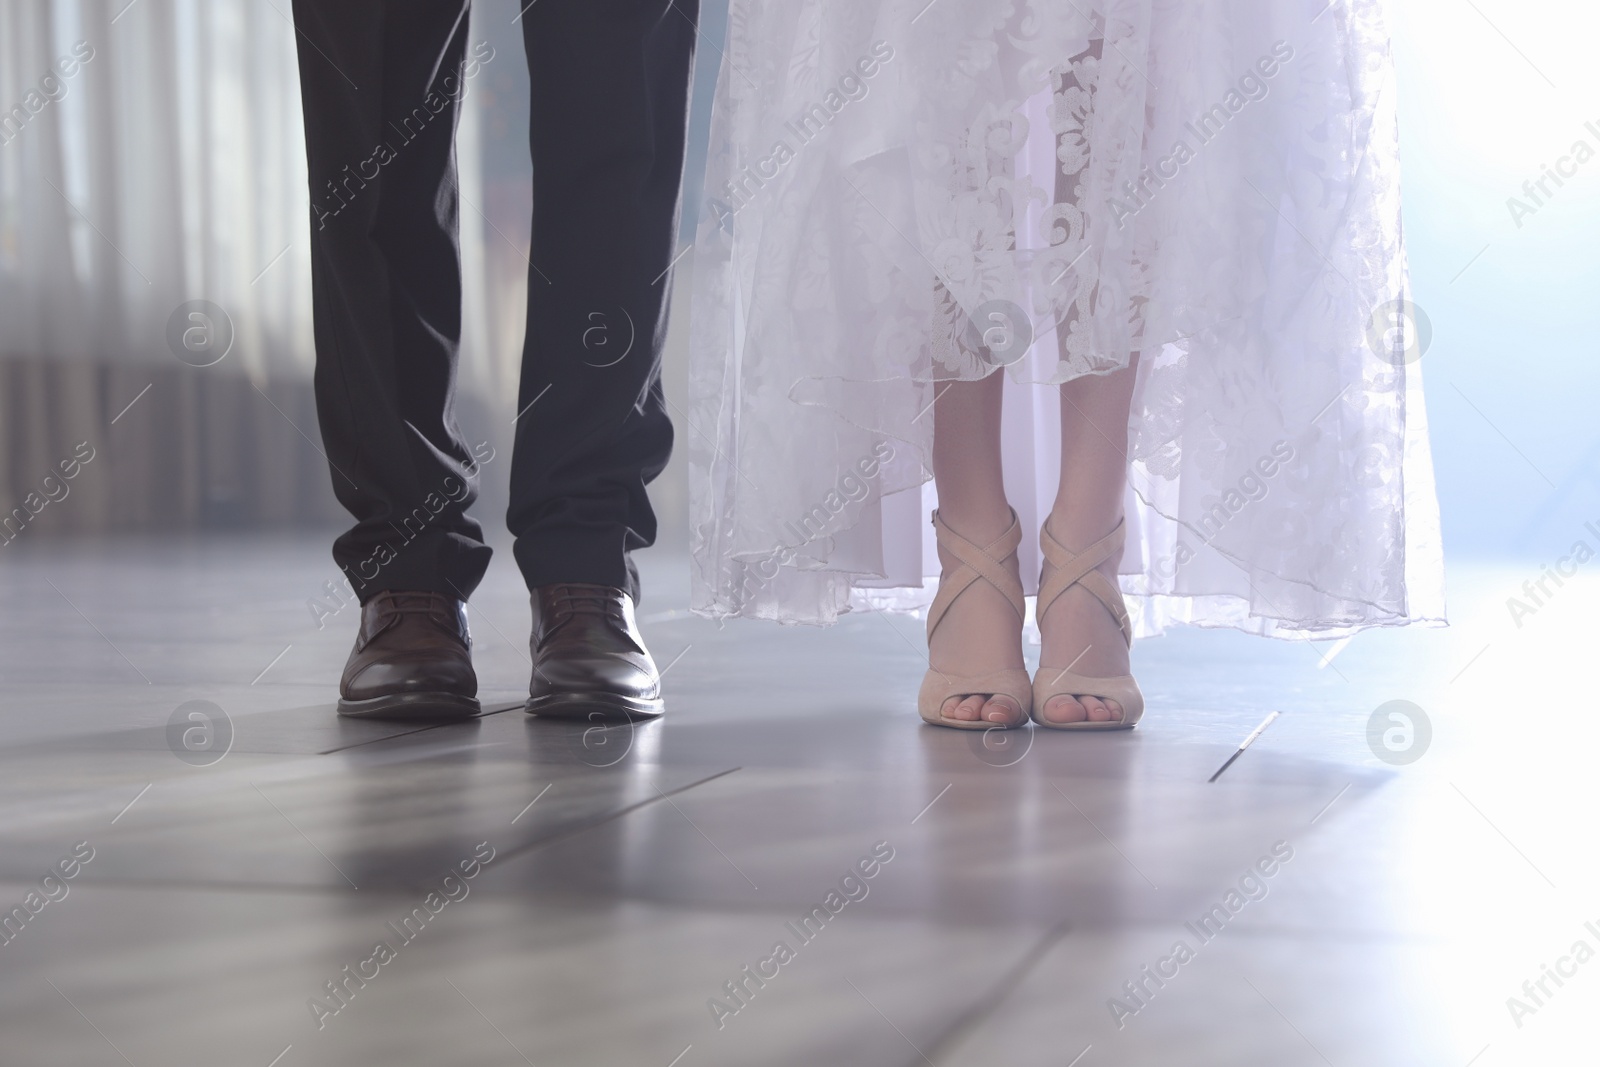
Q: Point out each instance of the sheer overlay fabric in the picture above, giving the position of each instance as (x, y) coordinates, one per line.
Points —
(902, 195)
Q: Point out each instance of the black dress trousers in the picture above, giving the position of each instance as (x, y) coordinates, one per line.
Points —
(381, 85)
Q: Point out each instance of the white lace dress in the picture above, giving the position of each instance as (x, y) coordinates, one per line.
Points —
(904, 193)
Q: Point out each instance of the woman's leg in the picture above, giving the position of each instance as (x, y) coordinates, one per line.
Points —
(981, 632)
(1077, 628)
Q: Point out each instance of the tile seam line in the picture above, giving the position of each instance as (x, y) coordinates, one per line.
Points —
(419, 730)
(984, 1007)
(398, 889)
(572, 831)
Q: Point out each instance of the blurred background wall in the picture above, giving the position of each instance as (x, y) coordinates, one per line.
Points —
(168, 168)
(1491, 93)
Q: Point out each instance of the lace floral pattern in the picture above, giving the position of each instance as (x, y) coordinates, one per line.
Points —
(904, 194)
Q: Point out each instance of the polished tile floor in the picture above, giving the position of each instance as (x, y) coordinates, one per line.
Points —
(255, 882)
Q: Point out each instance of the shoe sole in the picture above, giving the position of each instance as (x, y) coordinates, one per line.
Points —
(412, 707)
(584, 706)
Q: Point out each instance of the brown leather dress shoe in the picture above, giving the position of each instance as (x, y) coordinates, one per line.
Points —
(412, 660)
(588, 656)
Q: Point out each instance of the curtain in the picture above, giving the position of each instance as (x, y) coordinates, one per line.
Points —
(155, 305)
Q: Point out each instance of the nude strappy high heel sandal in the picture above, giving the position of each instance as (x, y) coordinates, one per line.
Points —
(976, 565)
(1062, 570)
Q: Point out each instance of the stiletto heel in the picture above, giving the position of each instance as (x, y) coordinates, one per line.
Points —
(1062, 570)
(976, 565)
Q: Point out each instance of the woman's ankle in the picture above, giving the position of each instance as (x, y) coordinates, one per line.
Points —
(981, 522)
(1075, 529)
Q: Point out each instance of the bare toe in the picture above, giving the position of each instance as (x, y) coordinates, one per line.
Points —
(966, 709)
(1095, 710)
(1002, 710)
(972, 706)
(1064, 709)
(1102, 710)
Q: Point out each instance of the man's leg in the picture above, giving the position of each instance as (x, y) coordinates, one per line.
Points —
(380, 84)
(610, 83)
(610, 89)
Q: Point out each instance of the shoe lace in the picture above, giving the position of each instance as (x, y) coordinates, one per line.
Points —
(567, 601)
(438, 609)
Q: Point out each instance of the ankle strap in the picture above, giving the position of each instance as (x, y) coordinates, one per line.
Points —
(976, 564)
(1064, 569)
